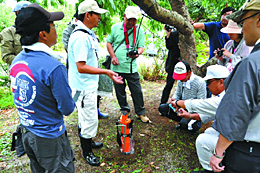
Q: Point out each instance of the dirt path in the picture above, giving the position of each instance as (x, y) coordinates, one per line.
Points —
(158, 146)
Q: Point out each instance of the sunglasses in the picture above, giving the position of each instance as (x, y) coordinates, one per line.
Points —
(241, 22)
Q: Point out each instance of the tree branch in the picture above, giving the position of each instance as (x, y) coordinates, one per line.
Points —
(155, 11)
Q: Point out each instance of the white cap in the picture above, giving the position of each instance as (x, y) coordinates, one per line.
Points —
(216, 72)
(88, 6)
(180, 70)
(132, 12)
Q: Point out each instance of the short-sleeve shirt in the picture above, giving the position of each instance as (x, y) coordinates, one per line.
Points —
(82, 48)
(115, 38)
(217, 39)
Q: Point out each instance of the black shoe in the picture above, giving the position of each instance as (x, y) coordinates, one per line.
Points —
(92, 159)
(178, 127)
(97, 144)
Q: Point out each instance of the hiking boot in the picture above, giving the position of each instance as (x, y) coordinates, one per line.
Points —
(92, 159)
(143, 118)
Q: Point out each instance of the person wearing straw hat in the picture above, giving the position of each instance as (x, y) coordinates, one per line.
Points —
(235, 49)
(216, 38)
(10, 44)
(238, 115)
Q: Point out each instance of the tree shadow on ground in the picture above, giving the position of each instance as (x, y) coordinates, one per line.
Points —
(159, 147)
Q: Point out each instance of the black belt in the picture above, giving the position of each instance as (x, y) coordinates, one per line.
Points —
(249, 147)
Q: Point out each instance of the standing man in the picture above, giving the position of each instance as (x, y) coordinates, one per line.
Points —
(10, 44)
(238, 115)
(130, 39)
(83, 75)
(41, 92)
(65, 40)
(172, 44)
(217, 39)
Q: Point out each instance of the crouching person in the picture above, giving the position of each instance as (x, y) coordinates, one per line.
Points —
(205, 110)
(189, 86)
(41, 92)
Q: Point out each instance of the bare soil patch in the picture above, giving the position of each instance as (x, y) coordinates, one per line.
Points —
(158, 146)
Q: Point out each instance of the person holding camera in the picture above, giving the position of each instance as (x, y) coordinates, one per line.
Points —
(217, 39)
(172, 44)
(238, 116)
(128, 38)
(235, 49)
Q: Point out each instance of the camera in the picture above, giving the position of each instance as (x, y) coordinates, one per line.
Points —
(220, 52)
(132, 53)
(168, 27)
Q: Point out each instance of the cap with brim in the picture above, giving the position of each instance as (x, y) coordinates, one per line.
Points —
(132, 12)
(180, 71)
(90, 6)
(216, 72)
(32, 18)
(248, 6)
(51, 16)
(232, 28)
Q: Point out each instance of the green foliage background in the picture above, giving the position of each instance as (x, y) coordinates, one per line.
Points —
(200, 10)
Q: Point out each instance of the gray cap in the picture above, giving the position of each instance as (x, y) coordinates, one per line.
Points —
(21, 5)
(248, 6)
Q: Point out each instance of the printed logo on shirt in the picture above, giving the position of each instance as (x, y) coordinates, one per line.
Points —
(24, 90)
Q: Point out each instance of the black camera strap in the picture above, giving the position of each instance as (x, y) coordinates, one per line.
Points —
(85, 31)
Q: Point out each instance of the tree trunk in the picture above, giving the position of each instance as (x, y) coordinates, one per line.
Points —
(180, 19)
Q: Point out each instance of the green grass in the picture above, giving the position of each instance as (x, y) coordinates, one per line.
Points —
(6, 98)
(5, 145)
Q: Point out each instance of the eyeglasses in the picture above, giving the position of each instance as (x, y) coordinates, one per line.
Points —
(55, 26)
(241, 22)
(208, 82)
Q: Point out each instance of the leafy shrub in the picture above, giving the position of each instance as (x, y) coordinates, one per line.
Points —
(202, 53)
(201, 46)
(7, 17)
(6, 98)
(152, 72)
(5, 145)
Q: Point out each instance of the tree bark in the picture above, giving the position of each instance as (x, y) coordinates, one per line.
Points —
(180, 19)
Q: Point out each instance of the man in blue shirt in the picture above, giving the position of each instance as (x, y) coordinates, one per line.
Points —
(217, 39)
(41, 92)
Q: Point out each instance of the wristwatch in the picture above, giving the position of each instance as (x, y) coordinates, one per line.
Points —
(177, 103)
(219, 157)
